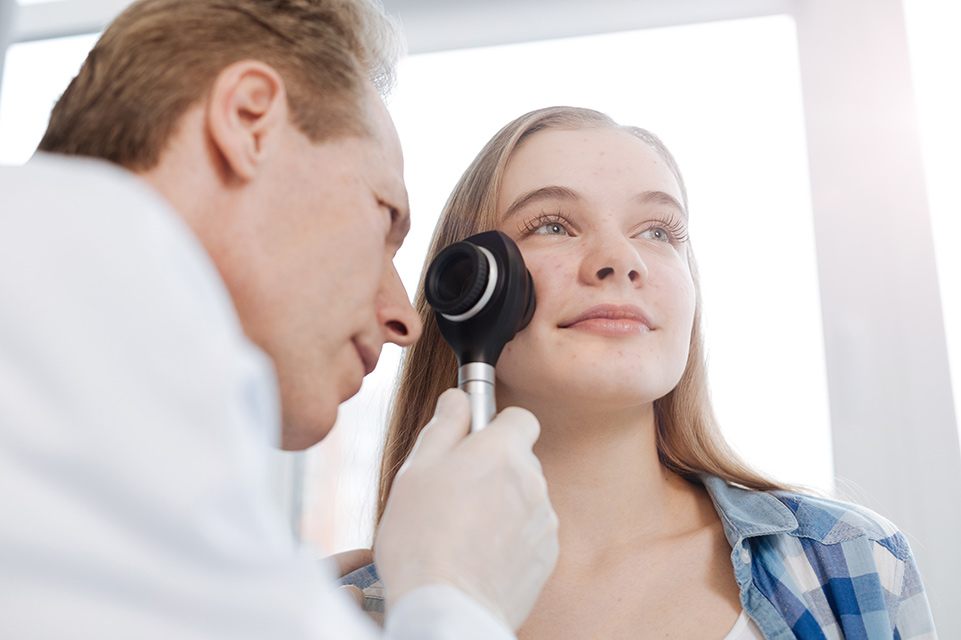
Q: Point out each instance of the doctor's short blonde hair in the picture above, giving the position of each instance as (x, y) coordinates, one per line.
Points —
(160, 57)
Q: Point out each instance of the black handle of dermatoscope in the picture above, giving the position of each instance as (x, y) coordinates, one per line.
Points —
(482, 294)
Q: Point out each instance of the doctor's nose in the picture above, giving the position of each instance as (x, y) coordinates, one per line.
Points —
(399, 321)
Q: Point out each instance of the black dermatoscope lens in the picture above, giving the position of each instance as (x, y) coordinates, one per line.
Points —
(482, 294)
(462, 276)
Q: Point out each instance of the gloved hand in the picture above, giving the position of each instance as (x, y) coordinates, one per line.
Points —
(471, 511)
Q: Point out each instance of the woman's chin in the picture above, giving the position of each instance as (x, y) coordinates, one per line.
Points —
(594, 395)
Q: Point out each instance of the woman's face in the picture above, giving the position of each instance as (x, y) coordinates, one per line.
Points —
(596, 215)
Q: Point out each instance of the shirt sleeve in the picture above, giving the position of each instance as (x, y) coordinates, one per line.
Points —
(910, 610)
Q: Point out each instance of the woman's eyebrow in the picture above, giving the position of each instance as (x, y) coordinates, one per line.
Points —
(541, 193)
(659, 197)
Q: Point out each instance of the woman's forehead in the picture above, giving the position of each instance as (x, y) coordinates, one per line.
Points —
(586, 159)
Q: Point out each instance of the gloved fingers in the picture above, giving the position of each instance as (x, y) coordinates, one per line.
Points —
(517, 425)
(450, 424)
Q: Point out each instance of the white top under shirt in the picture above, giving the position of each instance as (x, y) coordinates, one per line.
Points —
(744, 629)
(135, 421)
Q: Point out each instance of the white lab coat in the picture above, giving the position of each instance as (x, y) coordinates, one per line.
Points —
(135, 419)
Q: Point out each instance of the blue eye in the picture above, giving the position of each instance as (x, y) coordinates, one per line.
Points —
(546, 225)
(551, 229)
(657, 233)
(671, 230)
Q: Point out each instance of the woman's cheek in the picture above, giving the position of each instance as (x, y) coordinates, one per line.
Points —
(552, 276)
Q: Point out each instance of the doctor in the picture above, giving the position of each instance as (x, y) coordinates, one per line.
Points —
(197, 267)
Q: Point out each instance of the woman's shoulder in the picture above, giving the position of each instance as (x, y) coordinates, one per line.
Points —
(827, 521)
(833, 521)
(847, 559)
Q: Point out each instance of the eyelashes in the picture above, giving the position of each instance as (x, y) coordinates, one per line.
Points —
(533, 225)
(670, 228)
(675, 227)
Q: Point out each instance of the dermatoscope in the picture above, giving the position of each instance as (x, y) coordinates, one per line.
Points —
(482, 294)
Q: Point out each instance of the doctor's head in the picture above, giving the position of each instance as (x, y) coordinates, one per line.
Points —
(263, 125)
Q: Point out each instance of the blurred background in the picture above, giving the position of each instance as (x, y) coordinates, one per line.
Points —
(820, 144)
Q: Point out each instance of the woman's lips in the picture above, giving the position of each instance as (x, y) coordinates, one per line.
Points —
(611, 319)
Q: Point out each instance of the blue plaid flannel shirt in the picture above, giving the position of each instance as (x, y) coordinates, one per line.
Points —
(808, 568)
(818, 569)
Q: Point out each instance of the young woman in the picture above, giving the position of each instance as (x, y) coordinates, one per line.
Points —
(665, 532)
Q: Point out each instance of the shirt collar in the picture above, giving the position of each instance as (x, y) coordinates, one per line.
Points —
(747, 513)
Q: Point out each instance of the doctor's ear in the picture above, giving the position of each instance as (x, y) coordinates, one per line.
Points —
(246, 112)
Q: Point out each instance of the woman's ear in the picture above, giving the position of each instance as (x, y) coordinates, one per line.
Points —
(246, 114)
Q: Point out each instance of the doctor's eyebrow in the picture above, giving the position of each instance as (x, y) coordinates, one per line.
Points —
(543, 193)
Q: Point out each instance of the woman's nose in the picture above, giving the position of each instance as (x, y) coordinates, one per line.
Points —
(612, 260)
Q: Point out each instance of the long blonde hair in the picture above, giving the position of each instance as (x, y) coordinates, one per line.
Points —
(689, 440)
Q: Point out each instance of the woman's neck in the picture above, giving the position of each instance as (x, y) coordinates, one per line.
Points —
(606, 482)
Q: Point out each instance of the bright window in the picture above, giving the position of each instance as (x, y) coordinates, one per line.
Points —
(35, 74)
(734, 120)
(731, 116)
